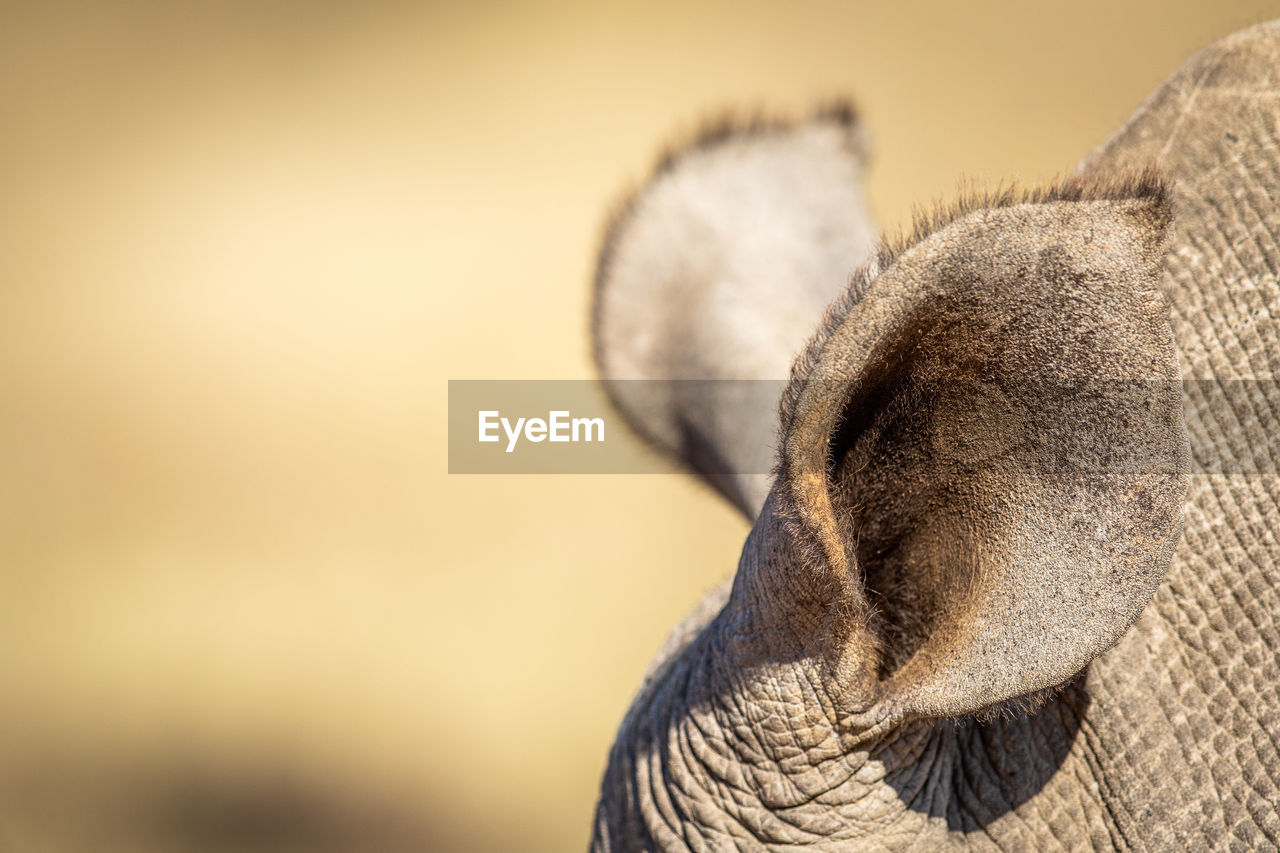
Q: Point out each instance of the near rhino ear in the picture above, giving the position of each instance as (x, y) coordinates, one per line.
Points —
(984, 449)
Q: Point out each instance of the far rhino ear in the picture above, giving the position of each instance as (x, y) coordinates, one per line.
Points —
(984, 449)
(712, 277)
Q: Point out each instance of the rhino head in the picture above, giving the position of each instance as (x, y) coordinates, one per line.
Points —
(966, 614)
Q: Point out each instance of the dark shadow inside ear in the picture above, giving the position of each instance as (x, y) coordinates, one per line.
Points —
(887, 488)
(931, 418)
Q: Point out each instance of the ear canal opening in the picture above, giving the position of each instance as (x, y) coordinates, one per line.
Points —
(899, 485)
(846, 468)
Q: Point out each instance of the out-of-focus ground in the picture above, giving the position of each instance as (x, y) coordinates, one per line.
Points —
(243, 245)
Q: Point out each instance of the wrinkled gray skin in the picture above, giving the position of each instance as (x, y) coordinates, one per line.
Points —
(1015, 586)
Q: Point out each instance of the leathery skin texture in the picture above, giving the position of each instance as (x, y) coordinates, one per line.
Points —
(863, 683)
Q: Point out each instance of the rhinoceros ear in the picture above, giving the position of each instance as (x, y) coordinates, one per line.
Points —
(983, 449)
(713, 275)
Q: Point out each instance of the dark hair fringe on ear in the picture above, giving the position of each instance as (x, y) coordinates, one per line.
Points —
(730, 125)
(711, 132)
(1145, 183)
(1020, 706)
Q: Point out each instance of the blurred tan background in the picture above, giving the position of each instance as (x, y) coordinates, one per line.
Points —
(244, 245)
